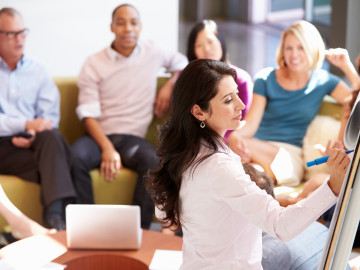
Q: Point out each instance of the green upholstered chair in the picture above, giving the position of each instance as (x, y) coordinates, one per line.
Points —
(26, 195)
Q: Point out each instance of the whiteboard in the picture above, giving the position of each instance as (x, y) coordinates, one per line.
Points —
(346, 217)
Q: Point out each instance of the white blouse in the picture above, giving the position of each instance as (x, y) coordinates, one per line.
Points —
(223, 213)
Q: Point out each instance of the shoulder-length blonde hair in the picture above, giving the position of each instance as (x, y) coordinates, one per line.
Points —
(310, 40)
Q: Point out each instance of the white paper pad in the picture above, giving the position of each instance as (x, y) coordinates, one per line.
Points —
(166, 260)
(32, 253)
(49, 266)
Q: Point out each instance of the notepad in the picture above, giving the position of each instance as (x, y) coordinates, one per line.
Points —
(32, 253)
(166, 260)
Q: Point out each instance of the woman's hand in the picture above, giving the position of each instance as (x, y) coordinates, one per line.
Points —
(326, 150)
(338, 57)
(338, 163)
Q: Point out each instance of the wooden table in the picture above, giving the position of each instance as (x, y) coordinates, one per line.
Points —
(93, 259)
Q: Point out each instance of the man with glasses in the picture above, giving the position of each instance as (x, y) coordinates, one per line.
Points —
(30, 146)
(13, 35)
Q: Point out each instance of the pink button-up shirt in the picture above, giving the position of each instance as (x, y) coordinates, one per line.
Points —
(120, 91)
(223, 213)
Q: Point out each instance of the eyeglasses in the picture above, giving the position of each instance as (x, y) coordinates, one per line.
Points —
(12, 35)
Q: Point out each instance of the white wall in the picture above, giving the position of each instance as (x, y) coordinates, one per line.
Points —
(64, 32)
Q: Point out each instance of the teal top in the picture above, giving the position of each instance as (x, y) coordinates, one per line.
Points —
(288, 113)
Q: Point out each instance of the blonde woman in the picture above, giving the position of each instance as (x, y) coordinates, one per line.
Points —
(286, 99)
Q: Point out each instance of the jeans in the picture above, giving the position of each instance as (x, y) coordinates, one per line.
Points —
(136, 154)
(301, 253)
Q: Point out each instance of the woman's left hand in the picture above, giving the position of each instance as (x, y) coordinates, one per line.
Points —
(338, 57)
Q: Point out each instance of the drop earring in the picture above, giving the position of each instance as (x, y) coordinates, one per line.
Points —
(202, 124)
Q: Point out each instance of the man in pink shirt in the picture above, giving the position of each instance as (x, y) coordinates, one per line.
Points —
(117, 101)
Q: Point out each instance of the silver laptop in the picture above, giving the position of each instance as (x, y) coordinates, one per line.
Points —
(90, 226)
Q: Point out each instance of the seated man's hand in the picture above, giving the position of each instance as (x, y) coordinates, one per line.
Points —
(110, 164)
(238, 145)
(39, 124)
(338, 163)
(24, 142)
(162, 101)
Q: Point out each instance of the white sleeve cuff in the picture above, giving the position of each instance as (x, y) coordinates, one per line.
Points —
(159, 214)
(91, 110)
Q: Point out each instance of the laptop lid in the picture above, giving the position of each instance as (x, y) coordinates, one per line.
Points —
(95, 226)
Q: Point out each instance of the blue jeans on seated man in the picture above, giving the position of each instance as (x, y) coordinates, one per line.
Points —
(136, 154)
(301, 253)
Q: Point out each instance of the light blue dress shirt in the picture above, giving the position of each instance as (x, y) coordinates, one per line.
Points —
(26, 93)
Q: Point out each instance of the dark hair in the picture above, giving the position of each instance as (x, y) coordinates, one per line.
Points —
(181, 137)
(123, 5)
(193, 35)
(261, 179)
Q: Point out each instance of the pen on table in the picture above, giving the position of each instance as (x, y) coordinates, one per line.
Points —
(322, 159)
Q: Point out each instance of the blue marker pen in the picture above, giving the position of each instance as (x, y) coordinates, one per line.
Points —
(322, 160)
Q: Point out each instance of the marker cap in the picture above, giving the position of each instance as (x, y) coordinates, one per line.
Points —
(310, 163)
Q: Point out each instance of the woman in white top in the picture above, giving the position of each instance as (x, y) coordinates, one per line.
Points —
(201, 186)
